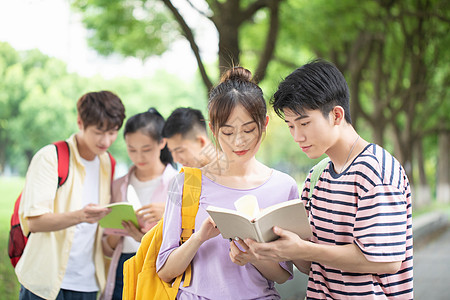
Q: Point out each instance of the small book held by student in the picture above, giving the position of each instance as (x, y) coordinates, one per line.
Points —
(120, 211)
(250, 222)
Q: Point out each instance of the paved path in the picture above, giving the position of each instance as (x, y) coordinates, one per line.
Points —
(432, 267)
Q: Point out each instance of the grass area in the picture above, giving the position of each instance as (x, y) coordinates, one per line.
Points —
(10, 188)
(433, 206)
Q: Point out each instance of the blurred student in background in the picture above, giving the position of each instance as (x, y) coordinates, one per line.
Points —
(145, 186)
(63, 258)
(187, 138)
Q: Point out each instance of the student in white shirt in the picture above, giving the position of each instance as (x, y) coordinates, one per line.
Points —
(63, 258)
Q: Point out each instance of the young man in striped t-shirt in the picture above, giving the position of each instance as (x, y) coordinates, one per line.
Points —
(360, 209)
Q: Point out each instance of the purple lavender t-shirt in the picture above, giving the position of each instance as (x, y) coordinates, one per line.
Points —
(214, 275)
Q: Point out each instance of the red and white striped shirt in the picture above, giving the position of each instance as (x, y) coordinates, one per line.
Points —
(369, 204)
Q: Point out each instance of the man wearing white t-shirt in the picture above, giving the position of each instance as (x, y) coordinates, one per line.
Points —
(63, 258)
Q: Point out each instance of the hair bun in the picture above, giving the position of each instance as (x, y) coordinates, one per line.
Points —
(237, 74)
(154, 111)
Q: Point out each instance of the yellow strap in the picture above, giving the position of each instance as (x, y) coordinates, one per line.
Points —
(176, 283)
(187, 276)
(191, 196)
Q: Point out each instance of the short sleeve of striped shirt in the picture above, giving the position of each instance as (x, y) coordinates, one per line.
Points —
(381, 223)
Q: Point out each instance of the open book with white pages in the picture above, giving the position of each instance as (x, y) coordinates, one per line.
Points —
(248, 221)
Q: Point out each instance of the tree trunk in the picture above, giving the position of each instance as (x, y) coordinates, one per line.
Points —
(227, 19)
(443, 167)
(355, 111)
(271, 40)
(357, 58)
(378, 133)
(378, 123)
(422, 195)
(421, 163)
(403, 150)
(407, 161)
(229, 53)
(187, 32)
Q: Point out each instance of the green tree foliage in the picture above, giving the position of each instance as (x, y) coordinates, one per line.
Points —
(34, 108)
(38, 102)
(145, 28)
(132, 28)
(392, 52)
(10, 94)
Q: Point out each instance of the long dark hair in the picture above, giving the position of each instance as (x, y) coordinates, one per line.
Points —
(150, 123)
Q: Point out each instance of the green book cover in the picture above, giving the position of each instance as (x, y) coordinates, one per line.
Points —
(121, 211)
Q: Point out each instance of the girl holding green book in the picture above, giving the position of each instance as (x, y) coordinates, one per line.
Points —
(145, 186)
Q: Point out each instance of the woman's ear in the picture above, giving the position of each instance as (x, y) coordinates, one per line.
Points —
(266, 123)
(338, 115)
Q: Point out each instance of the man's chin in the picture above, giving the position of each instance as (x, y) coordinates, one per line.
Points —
(100, 151)
(314, 156)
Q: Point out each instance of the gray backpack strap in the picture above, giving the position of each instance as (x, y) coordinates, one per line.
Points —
(317, 171)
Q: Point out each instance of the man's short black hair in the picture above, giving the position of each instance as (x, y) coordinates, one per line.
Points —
(316, 85)
(185, 121)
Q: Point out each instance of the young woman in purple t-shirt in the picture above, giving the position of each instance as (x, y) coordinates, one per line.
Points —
(224, 269)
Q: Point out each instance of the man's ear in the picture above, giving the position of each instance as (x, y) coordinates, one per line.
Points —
(267, 122)
(202, 140)
(338, 115)
(79, 123)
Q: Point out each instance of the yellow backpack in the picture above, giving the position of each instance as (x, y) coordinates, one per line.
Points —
(140, 278)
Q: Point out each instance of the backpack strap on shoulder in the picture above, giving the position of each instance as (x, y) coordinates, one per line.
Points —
(192, 188)
(113, 165)
(63, 155)
(317, 171)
